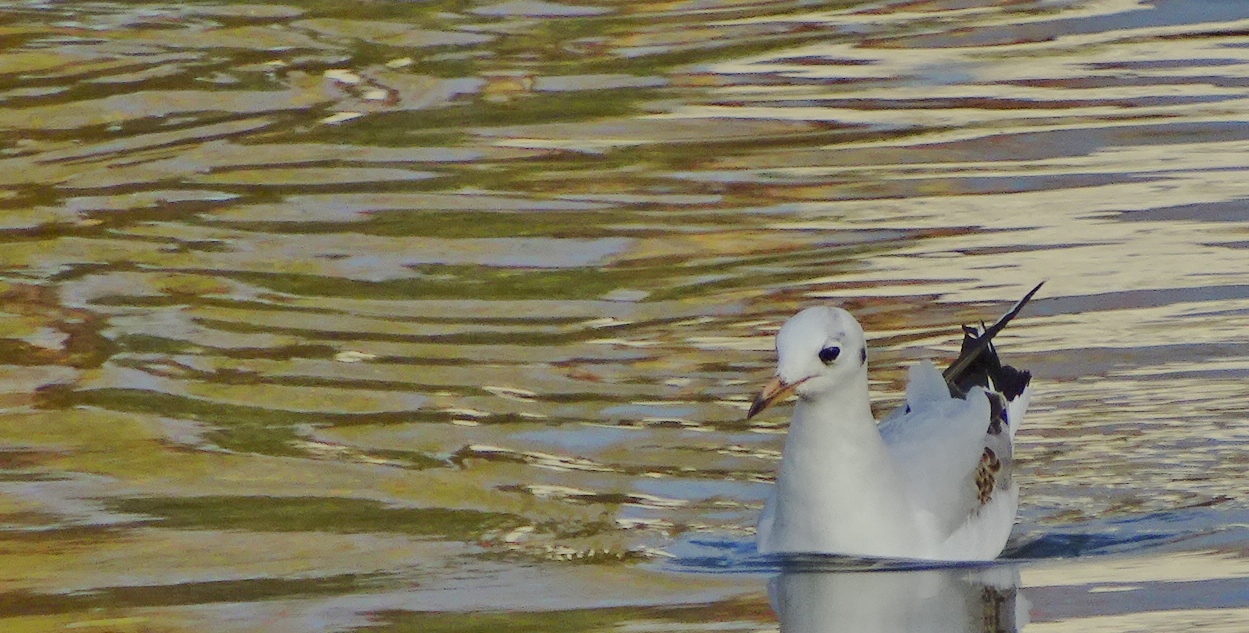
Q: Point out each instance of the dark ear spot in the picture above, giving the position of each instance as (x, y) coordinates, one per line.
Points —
(863, 356)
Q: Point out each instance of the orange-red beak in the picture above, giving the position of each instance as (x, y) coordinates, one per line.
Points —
(775, 390)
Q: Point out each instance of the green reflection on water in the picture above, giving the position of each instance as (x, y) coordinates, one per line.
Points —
(243, 428)
(25, 603)
(454, 282)
(315, 514)
(655, 618)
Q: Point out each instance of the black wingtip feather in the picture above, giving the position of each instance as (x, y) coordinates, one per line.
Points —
(978, 363)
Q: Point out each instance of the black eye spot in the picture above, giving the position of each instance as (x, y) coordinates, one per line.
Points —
(829, 354)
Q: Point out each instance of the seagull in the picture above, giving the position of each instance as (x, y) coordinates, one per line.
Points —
(931, 481)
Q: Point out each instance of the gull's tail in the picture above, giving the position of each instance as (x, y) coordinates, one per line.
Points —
(978, 362)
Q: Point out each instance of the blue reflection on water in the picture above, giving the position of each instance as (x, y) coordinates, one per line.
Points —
(1186, 528)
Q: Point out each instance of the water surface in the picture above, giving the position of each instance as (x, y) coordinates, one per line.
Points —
(445, 315)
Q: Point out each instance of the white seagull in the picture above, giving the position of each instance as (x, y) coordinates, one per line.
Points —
(931, 481)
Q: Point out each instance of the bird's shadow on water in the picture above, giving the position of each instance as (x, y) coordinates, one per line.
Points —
(823, 594)
(809, 597)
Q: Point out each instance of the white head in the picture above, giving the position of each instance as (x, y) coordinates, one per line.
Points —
(817, 350)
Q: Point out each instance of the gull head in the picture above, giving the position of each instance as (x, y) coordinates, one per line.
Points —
(816, 350)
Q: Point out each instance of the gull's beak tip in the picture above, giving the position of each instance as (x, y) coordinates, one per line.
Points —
(771, 393)
(755, 407)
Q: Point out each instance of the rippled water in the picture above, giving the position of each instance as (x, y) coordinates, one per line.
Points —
(443, 316)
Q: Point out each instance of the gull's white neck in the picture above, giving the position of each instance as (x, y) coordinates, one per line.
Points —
(838, 489)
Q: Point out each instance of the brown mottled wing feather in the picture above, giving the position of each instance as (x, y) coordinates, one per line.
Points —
(986, 475)
(994, 471)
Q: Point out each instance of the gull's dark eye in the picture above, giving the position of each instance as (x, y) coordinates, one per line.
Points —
(829, 354)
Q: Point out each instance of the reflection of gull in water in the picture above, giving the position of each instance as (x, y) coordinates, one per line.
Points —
(944, 600)
(933, 481)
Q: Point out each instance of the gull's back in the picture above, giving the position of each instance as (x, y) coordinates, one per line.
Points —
(953, 443)
(955, 454)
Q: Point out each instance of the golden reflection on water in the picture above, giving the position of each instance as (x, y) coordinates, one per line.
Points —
(353, 315)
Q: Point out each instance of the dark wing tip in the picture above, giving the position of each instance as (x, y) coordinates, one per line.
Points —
(978, 362)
